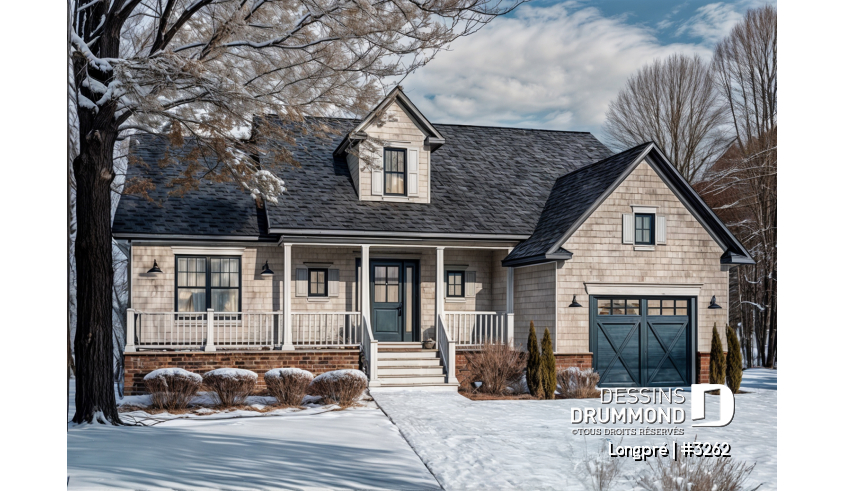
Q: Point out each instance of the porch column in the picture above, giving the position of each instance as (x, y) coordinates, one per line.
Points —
(509, 307)
(130, 331)
(287, 331)
(365, 281)
(440, 276)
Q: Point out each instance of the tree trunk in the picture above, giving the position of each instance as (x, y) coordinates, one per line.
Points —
(95, 398)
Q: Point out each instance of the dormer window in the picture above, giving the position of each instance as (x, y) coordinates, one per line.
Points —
(395, 171)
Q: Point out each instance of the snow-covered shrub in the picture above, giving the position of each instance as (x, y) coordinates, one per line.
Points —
(288, 385)
(600, 470)
(496, 366)
(172, 388)
(342, 387)
(230, 386)
(575, 383)
(696, 474)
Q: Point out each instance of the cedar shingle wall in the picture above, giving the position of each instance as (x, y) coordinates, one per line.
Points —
(689, 256)
(534, 300)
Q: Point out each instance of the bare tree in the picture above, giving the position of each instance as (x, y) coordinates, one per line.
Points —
(742, 186)
(208, 69)
(675, 103)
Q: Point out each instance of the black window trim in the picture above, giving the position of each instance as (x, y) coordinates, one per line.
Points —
(652, 230)
(385, 172)
(325, 283)
(463, 283)
(207, 286)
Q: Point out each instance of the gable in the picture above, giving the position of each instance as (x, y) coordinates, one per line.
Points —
(576, 196)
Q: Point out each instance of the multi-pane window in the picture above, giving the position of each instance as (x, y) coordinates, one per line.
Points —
(318, 282)
(394, 171)
(643, 229)
(386, 284)
(619, 306)
(455, 284)
(667, 307)
(208, 283)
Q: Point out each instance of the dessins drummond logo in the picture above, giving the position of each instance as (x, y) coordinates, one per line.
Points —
(656, 406)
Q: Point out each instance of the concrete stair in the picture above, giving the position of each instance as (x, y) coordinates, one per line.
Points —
(408, 365)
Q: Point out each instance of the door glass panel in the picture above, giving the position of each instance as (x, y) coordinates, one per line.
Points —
(632, 307)
(603, 306)
(668, 304)
(380, 294)
(393, 283)
(681, 303)
(409, 299)
(680, 311)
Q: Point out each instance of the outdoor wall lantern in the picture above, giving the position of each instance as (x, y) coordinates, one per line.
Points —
(155, 269)
(574, 302)
(266, 271)
(713, 304)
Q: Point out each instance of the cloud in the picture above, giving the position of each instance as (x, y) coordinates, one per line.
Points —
(554, 67)
(714, 21)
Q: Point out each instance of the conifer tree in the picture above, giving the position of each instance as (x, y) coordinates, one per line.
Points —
(548, 369)
(734, 361)
(532, 369)
(717, 359)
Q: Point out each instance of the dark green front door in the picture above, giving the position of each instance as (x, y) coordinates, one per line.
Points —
(393, 290)
(642, 341)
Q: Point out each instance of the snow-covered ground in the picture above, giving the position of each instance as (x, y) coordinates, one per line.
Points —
(315, 448)
(530, 445)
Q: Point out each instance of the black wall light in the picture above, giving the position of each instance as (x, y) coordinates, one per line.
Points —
(155, 269)
(266, 271)
(574, 302)
(713, 304)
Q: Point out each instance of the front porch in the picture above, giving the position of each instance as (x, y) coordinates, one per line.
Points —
(404, 299)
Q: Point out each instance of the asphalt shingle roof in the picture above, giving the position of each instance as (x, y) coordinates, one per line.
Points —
(484, 180)
(572, 195)
(215, 209)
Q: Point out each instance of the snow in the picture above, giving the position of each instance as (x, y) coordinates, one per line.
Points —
(231, 373)
(278, 372)
(313, 448)
(172, 372)
(338, 374)
(529, 444)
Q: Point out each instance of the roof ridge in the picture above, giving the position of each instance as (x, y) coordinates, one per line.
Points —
(469, 125)
(568, 174)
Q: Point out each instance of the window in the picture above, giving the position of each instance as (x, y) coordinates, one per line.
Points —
(618, 306)
(208, 283)
(643, 229)
(667, 307)
(394, 172)
(455, 283)
(318, 282)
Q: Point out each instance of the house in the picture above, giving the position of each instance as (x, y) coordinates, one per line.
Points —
(459, 234)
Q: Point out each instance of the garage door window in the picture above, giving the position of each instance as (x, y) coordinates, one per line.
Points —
(667, 307)
(619, 306)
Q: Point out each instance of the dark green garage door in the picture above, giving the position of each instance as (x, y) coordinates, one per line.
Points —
(642, 341)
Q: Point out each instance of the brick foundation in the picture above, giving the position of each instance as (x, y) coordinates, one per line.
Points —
(315, 361)
(702, 367)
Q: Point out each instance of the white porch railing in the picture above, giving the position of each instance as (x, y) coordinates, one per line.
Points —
(477, 328)
(369, 348)
(208, 331)
(326, 328)
(446, 349)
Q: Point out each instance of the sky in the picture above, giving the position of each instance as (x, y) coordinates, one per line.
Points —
(557, 65)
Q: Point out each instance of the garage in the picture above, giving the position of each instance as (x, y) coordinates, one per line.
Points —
(641, 341)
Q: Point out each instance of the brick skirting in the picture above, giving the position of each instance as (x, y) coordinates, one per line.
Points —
(138, 364)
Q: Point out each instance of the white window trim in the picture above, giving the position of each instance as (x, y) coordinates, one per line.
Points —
(647, 289)
(643, 209)
(208, 251)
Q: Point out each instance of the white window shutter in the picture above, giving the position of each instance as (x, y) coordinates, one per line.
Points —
(377, 184)
(469, 283)
(660, 234)
(627, 228)
(413, 172)
(334, 282)
(301, 282)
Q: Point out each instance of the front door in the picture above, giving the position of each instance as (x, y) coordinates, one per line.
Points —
(393, 290)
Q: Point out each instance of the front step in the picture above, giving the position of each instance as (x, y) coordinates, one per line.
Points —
(409, 365)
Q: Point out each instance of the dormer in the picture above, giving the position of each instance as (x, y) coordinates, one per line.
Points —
(389, 152)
